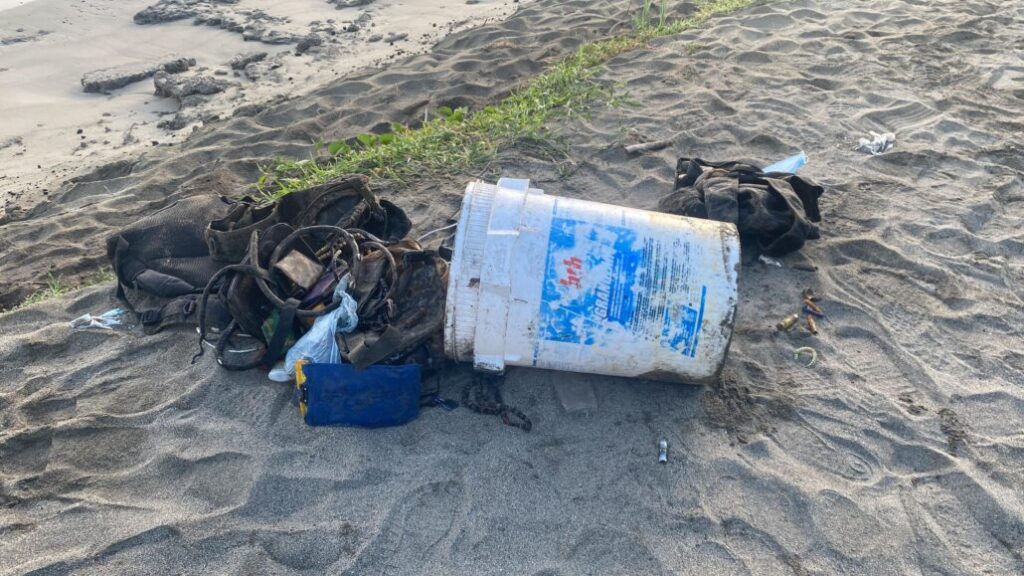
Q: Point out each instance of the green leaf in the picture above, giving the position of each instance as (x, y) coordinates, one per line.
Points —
(367, 140)
(445, 111)
(387, 138)
(337, 147)
(399, 128)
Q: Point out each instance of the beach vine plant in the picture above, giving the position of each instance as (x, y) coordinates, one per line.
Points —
(461, 140)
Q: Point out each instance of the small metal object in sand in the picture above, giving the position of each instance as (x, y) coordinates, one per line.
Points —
(663, 451)
(810, 300)
(812, 326)
(787, 323)
(647, 146)
(806, 350)
(813, 311)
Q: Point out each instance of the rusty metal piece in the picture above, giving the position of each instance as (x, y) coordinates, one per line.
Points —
(811, 309)
(787, 323)
(810, 305)
(300, 269)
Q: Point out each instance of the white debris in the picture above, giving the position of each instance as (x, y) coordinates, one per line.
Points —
(878, 144)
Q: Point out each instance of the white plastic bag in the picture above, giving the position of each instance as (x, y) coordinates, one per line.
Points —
(107, 321)
(879, 143)
(318, 344)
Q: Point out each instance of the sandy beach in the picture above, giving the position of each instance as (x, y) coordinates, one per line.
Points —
(900, 452)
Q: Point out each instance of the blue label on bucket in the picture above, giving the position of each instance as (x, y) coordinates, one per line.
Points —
(687, 333)
(603, 281)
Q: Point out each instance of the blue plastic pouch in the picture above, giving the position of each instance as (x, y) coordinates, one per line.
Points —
(790, 165)
(340, 395)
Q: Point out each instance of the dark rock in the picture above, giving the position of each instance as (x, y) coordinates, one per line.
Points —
(251, 23)
(392, 37)
(8, 40)
(249, 110)
(153, 15)
(9, 142)
(348, 3)
(193, 100)
(179, 65)
(257, 70)
(375, 38)
(164, 84)
(277, 37)
(308, 43)
(259, 33)
(118, 77)
(188, 91)
(179, 121)
(240, 61)
(169, 11)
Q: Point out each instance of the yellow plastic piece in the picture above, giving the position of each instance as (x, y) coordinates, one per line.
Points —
(300, 383)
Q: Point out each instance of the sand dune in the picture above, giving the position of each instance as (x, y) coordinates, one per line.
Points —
(900, 452)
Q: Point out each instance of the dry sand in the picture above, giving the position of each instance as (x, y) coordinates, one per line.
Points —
(901, 452)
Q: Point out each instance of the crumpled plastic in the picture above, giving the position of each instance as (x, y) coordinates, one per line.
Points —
(318, 344)
(107, 321)
(878, 144)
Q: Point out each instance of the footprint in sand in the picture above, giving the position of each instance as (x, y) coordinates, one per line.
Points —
(413, 531)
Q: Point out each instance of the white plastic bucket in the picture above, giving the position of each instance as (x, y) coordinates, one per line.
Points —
(579, 286)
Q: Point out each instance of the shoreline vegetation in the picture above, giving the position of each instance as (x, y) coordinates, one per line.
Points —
(57, 287)
(462, 140)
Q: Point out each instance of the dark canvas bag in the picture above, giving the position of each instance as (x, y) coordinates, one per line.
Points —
(162, 262)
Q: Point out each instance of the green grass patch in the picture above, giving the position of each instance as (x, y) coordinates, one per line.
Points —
(56, 287)
(460, 140)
